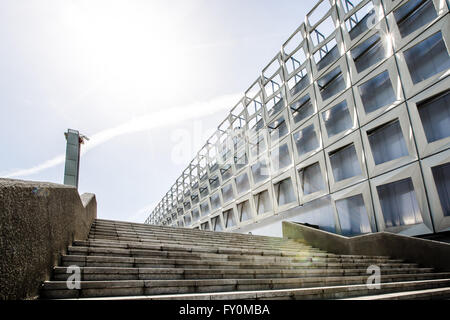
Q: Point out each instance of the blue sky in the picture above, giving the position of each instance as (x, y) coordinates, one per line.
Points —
(135, 75)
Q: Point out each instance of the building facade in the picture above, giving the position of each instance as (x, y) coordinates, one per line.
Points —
(347, 128)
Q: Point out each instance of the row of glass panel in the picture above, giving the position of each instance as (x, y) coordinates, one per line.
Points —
(302, 106)
(387, 144)
(394, 202)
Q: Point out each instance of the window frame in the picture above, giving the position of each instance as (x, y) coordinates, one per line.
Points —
(318, 158)
(316, 123)
(288, 174)
(411, 89)
(441, 222)
(391, 67)
(265, 187)
(349, 43)
(400, 113)
(382, 30)
(342, 63)
(274, 170)
(348, 96)
(424, 147)
(312, 97)
(399, 42)
(354, 138)
(410, 171)
(362, 188)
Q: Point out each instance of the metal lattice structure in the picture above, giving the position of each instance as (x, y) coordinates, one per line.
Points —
(355, 108)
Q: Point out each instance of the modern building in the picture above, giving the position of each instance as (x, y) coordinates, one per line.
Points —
(347, 128)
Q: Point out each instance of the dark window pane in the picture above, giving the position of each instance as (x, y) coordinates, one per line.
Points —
(399, 203)
(441, 176)
(337, 119)
(344, 163)
(353, 216)
(387, 142)
(427, 58)
(435, 116)
(377, 92)
(413, 15)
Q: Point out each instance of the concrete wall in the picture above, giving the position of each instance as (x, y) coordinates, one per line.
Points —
(427, 253)
(37, 223)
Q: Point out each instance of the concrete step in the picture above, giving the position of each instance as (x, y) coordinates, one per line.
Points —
(140, 262)
(426, 294)
(197, 248)
(198, 241)
(137, 226)
(298, 257)
(210, 244)
(58, 289)
(328, 292)
(106, 274)
(167, 236)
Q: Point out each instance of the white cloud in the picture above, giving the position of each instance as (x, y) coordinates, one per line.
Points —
(170, 116)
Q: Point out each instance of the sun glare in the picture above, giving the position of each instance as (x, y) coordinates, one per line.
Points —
(131, 50)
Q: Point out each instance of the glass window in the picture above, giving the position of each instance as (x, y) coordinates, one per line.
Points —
(228, 218)
(204, 208)
(226, 172)
(441, 176)
(195, 214)
(353, 216)
(331, 84)
(194, 199)
(299, 82)
(337, 119)
(413, 15)
(263, 203)
(257, 146)
(427, 58)
(244, 211)
(327, 54)
(187, 205)
(274, 105)
(311, 179)
(227, 193)
(281, 157)
(377, 92)
(361, 20)
(216, 223)
(214, 182)
(204, 191)
(187, 220)
(344, 163)
(306, 140)
(387, 142)
(215, 201)
(302, 109)
(368, 53)
(285, 192)
(260, 171)
(242, 183)
(435, 116)
(240, 161)
(399, 203)
(278, 129)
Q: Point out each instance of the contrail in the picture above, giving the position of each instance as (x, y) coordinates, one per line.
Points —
(147, 122)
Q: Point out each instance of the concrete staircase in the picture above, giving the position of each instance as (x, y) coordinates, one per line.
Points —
(134, 261)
